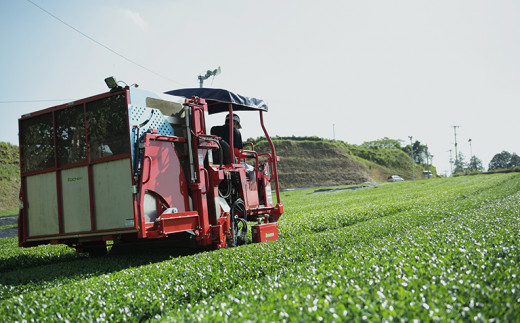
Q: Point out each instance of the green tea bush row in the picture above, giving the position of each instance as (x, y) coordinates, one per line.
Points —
(168, 287)
(13, 257)
(307, 213)
(461, 268)
(328, 211)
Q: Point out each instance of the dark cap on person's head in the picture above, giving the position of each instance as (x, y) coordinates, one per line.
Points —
(235, 118)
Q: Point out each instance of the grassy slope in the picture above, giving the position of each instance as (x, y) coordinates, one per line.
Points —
(441, 249)
(9, 176)
(313, 163)
(316, 163)
(304, 163)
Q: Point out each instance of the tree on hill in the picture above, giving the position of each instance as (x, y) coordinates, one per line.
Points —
(475, 164)
(383, 143)
(514, 162)
(420, 152)
(8, 154)
(460, 164)
(504, 160)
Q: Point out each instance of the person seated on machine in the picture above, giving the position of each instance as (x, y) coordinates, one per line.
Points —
(223, 132)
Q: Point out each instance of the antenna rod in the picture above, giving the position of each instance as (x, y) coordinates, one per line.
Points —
(209, 73)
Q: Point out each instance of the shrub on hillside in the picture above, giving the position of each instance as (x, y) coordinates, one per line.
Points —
(9, 160)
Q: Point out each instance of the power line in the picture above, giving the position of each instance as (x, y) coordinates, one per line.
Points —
(102, 45)
(32, 101)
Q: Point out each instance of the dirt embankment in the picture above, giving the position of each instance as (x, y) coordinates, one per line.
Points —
(313, 164)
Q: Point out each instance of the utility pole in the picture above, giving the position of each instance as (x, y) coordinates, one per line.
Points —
(456, 154)
(411, 149)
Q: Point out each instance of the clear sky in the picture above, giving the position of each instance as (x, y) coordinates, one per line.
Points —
(372, 69)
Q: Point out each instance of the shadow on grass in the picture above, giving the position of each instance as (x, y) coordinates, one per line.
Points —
(79, 266)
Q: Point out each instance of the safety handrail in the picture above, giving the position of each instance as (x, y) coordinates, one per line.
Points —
(149, 168)
(256, 159)
(270, 161)
(275, 171)
(250, 144)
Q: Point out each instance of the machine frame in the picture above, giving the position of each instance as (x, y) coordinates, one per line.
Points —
(155, 179)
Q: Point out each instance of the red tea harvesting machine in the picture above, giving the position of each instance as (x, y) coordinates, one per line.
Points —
(131, 167)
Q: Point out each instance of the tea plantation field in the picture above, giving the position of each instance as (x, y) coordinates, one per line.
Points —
(437, 250)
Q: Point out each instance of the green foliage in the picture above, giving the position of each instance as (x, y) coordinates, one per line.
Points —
(8, 154)
(445, 249)
(8, 212)
(504, 160)
(420, 153)
(9, 161)
(389, 157)
(293, 138)
(442, 270)
(13, 258)
(9, 192)
(370, 161)
(383, 143)
(9, 176)
(475, 165)
(504, 171)
(459, 163)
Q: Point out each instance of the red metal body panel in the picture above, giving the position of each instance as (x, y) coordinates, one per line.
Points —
(265, 232)
(179, 222)
(162, 175)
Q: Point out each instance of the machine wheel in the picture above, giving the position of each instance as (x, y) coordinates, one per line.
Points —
(240, 231)
(238, 224)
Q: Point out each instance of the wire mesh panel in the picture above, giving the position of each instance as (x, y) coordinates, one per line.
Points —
(107, 126)
(37, 142)
(70, 135)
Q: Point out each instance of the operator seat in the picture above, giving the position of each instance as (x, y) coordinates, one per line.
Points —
(223, 151)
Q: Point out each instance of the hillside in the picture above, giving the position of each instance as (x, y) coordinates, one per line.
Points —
(316, 163)
(304, 162)
(313, 162)
(9, 176)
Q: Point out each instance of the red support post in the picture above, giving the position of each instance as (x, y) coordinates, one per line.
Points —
(275, 158)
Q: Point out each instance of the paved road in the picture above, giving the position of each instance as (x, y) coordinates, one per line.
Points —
(8, 220)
